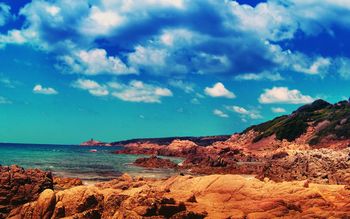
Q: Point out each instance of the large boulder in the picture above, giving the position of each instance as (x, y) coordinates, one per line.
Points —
(19, 186)
(154, 162)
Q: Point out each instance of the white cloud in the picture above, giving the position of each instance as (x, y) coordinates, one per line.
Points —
(94, 62)
(134, 91)
(315, 16)
(278, 110)
(253, 114)
(101, 22)
(240, 110)
(53, 10)
(284, 95)
(269, 20)
(137, 91)
(93, 87)
(219, 90)
(318, 66)
(5, 13)
(146, 56)
(4, 100)
(260, 76)
(16, 37)
(146, 41)
(220, 113)
(38, 89)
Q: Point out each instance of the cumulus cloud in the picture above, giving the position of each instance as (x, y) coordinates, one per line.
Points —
(260, 76)
(315, 16)
(284, 95)
(220, 113)
(134, 91)
(269, 20)
(94, 62)
(92, 87)
(15, 37)
(139, 38)
(253, 114)
(278, 110)
(38, 89)
(219, 90)
(137, 91)
(145, 38)
(313, 67)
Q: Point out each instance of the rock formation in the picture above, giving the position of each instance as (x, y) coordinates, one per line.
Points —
(154, 162)
(19, 186)
(321, 166)
(214, 196)
(61, 183)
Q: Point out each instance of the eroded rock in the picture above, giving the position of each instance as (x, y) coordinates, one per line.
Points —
(19, 186)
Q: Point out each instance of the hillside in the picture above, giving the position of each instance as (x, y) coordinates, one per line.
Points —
(328, 122)
(200, 141)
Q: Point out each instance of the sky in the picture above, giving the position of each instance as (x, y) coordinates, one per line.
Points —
(120, 69)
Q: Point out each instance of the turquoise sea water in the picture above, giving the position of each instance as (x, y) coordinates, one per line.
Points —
(77, 161)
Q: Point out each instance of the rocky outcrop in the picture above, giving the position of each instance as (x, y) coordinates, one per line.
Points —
(154, 162)
(214, 196)
(18, 186)
(177, 148)
(321, 166)
(61, 183)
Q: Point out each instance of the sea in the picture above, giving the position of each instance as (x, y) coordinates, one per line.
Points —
(90, 164)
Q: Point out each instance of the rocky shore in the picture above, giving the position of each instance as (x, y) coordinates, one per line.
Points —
(19, 186)
(155, 162)
(294, 166)
(213, 196)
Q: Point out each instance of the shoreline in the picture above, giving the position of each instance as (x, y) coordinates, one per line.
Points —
(209, 196)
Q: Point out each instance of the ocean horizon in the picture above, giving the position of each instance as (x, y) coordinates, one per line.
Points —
(77, 161)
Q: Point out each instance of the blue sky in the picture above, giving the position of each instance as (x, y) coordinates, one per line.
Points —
(120, 69)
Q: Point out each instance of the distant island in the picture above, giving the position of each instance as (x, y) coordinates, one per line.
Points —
(93, 142)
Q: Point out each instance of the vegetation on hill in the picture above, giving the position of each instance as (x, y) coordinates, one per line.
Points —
(201, 141)
(330, 120)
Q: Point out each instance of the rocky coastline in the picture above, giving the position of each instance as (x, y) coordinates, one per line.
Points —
(211, 196)
(271, 170)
